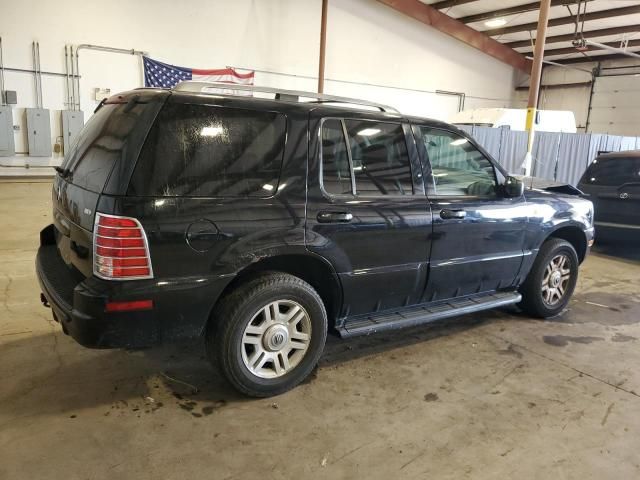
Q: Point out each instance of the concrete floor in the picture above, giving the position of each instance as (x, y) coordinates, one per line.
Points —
(495, 395)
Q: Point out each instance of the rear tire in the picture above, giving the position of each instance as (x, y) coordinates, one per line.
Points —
(550, 283)
(269, 334)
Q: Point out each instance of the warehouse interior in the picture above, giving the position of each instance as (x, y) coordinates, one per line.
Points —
(545, 88)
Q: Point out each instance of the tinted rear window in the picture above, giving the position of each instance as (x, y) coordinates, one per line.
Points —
(100, 143)
(206, 151)
(612, 172)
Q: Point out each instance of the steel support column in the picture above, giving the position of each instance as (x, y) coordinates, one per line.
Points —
(323, 43)
(534, 83)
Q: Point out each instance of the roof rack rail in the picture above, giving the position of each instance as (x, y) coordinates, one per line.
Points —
(280, 94)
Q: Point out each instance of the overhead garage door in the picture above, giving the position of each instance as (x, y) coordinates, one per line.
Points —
(615, 107)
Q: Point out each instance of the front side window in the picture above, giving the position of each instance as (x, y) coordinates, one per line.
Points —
(380, 159)
(206, 151)
(458, 168)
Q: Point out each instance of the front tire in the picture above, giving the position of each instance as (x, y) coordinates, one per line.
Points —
(269, 334)
(552, 280)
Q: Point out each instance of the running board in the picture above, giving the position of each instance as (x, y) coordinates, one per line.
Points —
(412, 316)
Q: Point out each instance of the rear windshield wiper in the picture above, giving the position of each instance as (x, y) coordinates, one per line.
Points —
(62, 171)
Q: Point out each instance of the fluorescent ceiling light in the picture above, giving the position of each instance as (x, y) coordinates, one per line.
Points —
(460, 141)
(211, 131)
(267, 186)
(495, 22)
(368, 132)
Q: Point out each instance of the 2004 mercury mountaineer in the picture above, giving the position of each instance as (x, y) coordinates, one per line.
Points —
(263, 223)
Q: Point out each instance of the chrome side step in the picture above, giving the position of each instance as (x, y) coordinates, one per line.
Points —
(412, 316)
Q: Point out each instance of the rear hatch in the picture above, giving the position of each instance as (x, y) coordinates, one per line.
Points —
(612, 183)
(99, 161)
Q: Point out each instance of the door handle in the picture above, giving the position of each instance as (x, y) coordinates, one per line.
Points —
(447, 214)
(334, 217)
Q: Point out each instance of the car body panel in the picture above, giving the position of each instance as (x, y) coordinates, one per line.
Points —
(393, 254)
(381, 256)
(616, 200)
(482, 251)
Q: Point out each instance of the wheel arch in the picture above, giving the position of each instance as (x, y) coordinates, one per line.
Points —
(313, 269)
(575, 236)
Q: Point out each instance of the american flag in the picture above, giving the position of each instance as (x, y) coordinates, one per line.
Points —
(163, 75)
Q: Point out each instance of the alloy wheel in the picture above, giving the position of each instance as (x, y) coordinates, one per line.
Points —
(555, 280)
(276, 339)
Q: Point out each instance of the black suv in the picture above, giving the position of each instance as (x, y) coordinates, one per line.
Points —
(263, 223)
(612, 182)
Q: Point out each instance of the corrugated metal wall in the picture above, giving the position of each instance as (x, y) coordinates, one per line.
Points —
(557, 156)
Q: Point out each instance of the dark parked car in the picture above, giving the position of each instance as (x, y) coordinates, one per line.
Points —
(262, 224)
(612, 183)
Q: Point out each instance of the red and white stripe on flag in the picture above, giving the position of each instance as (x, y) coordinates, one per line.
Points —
(223, 75)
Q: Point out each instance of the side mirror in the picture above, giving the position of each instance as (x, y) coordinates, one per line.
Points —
(513, 187)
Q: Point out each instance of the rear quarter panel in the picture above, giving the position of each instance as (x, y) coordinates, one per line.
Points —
(244, 230)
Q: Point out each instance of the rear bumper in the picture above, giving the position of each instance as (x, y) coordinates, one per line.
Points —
(180, 308)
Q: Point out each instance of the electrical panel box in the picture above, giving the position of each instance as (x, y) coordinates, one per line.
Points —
(10, 97)
(38, 132)
(72, 123)
(7, 145)
(101, 94)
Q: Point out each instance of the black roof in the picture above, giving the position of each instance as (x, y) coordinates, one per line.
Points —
(623, 154)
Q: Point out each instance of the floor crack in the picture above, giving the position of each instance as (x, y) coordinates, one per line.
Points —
(606, 415)
(577, 370)
(5, 298)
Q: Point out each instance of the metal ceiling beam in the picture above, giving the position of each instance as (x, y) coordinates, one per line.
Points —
(556, 86)
(569, 50)
(593, 58)
(555, 22)
(505, 12)
(604, 32)
(450, 26)
(450, 3)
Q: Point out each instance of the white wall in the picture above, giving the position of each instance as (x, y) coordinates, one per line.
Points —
(367, 43)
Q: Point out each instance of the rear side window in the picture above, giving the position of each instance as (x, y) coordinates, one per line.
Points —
(101, 142)
(336, 173)
(613, 172)
(206, 151)
(380, 159)
(376, 156)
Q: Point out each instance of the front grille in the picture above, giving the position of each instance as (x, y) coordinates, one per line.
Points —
(58, 277)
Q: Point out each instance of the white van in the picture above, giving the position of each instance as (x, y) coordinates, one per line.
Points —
(515, 119)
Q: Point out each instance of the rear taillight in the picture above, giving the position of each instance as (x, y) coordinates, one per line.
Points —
(120, 249)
